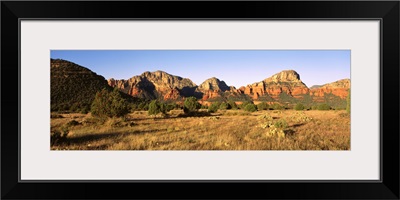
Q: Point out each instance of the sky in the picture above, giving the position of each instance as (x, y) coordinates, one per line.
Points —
(235, 67)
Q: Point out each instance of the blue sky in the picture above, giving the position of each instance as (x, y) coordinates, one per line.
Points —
(235, 67)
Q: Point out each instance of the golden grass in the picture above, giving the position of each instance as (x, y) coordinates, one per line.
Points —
(224, 130)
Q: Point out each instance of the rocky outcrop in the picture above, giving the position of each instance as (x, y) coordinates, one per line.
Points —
(156, 84)
(212, 88)
(338, 88)
(210, 94)
(173, 94)
(287, 81)
(161, 85)
(213, 84)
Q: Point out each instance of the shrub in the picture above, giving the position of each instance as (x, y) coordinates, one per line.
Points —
(275, 132)
(276, 106)
(118, 122)
(94, 121)
(244, 104)
(163, 107)
(75, 107)
(281, 124)
(109, 104)
(170, 107)
(348, 101)
(299, 106)
(204, 107)
(53, 115)
(191, 105)
(57, 137)
(85, 110)
(224, 106)
(250, 108)
(213, 107)
(143, 106)
(324, 106)
(266, 117)
(232, 104)
(262, 106)
(72, 123)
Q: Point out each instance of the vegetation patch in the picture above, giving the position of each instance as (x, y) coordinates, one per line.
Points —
(250, 108)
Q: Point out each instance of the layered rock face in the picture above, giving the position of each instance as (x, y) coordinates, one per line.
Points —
(287, 81)
(156, 84)
(338, 88)
(213, 84)
(212, 88)
(161, 85)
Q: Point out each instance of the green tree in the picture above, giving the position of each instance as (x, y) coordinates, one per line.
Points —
(119, 106)
(348, 103)
(299, 106)
(109, 104)
(191, 105)
(154, 108)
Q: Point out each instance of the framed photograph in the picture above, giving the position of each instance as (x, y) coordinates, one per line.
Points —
(281, 100)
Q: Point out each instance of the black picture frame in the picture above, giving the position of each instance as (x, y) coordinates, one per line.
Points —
(386, 11)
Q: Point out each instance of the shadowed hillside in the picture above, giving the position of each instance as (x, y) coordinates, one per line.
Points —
(74, 87)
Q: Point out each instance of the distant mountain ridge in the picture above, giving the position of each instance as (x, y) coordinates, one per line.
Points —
(75, 85)
(164, 86)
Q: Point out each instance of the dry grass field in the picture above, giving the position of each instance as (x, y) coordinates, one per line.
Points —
(224, 130)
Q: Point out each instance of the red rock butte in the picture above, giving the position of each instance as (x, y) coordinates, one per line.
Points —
(170, 87)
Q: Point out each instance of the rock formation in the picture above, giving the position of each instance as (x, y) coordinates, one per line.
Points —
(287, 81)
(156, 84)
(338, 88)
(213, 84)
(161, 85)
(75, 86)
(212, 88)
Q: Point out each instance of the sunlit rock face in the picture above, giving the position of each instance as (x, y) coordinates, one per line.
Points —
(161, 85)
(287, 81)
(338, 88)
(212, 88)
(156, 84)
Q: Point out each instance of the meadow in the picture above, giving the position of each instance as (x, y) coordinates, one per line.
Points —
(223, 130)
